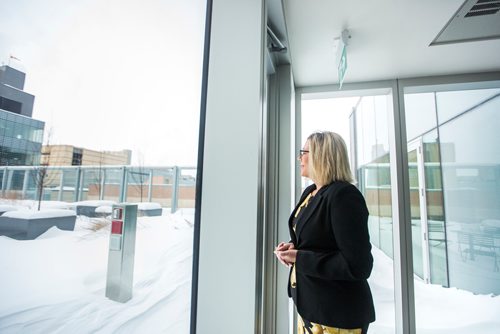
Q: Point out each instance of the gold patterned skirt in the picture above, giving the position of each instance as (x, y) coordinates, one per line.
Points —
(307, 327)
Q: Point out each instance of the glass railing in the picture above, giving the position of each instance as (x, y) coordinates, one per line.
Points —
(172, 187)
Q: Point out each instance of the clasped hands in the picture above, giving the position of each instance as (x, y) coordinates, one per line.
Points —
(286, 253)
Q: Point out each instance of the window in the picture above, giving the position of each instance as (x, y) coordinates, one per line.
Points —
(77, 157)
(116, 88)
(10, 105)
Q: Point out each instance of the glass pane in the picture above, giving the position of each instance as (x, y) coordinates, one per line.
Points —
(372, 147)
(458, 231)
(113, 184)
(187, 187)
(471, 192)
(139, 179)
(99, 105)
(163, 186)
(451, 104)
(328, 115)
(370, 160)
(373, 170)
(68, 184)
(420, 112)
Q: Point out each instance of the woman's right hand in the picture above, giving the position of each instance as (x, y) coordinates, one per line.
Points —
(283, 246)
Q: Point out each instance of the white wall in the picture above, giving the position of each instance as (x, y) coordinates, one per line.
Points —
(229, 208)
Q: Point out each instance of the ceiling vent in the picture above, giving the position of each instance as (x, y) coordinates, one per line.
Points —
(475, 20)
(484, 7)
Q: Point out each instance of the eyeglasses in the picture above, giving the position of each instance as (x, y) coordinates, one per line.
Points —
(302, 152)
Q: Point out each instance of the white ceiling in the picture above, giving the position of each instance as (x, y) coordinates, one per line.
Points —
(389, 39)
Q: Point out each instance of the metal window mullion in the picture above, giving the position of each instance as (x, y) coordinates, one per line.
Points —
(297, 186)
(271, 228)
(404, 295)
(297, 141)
(199, 169)
(261, 248)
(286, 141)
(354, 145)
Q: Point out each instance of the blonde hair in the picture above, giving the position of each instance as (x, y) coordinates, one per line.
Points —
(328, 159)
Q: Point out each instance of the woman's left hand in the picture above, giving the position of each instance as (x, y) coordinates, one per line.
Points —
(289, 256)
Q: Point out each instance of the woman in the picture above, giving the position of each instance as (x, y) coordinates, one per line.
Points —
(330, 252)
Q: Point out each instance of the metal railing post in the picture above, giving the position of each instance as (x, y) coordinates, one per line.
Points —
(9, 180)
(103, 184)
(25, 183)
(4, 180)
(175, 190)
(123, 185)
(61, 186)
(82, 185)
(150, 188)
(77, 184)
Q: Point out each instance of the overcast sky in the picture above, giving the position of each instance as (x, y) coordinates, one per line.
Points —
(112, 75)
(328, 115)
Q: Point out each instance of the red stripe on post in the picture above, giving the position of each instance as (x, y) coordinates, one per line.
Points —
(116, 227)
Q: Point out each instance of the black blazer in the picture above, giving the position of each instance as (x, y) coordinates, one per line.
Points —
(334, 258)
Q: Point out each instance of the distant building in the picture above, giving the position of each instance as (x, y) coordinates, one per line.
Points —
(67, 155)
(20, 135)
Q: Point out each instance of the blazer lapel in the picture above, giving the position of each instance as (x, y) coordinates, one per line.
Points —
(308, 211)
(290, 220)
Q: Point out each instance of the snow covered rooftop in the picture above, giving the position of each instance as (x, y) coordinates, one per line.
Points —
(56, 284)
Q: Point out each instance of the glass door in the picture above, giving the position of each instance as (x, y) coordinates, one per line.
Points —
(363, 123)
(418, 204)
